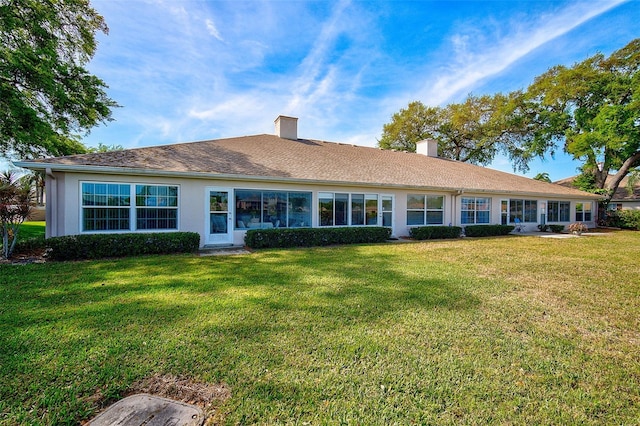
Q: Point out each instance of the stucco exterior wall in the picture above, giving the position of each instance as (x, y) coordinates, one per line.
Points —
(64, 211)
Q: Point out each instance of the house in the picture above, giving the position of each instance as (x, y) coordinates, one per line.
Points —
(624, 198)
(222, 188)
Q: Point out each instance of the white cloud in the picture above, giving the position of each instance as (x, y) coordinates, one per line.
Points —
(473, 62)
(213, 30)
(180, 79)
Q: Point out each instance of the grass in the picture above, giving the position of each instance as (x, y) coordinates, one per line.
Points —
(510, 330)
(31, 230)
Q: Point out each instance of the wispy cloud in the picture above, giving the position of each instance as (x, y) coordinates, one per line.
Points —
(213, 30)
(201, 70)
(473, 61)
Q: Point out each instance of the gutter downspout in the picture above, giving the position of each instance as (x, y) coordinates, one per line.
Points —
(51, 216)
(454, 203)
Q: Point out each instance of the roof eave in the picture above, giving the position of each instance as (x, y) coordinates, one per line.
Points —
(82, 168)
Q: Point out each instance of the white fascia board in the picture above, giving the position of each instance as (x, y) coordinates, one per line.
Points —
(74, 168)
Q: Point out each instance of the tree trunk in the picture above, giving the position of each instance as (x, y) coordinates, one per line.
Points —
(613, 183)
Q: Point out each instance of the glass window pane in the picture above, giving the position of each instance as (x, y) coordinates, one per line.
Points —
(482, 217)
(415, 217)
(341, 209)
(248, 208)
(515, 210)
(530, 210)
(218, 201)
(468, 204)
(467, 217)
(218, 223)
(387, 203)
(299, 209)
(386, 219)
(357, 209)
(415, 202)
(483, 204)
(325, 208)
(371, 202)
(565, 212)
(435, 202)
(435, 218)
(274, 211)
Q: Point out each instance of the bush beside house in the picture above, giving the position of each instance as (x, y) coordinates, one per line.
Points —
(487, 230)
(435, 232)
(309, 237)
(97, 246)
(625, 219)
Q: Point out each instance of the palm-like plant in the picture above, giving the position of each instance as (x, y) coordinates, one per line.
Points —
(15, 206)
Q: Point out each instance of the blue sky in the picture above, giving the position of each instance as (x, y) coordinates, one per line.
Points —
(194, 70)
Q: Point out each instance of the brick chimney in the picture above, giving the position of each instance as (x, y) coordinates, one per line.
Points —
(287, 127)
(428, 147)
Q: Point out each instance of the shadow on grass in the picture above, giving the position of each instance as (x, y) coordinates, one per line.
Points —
(117, 321)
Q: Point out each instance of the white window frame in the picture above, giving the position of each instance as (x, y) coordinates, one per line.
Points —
(584, 211)
(475, 210)
(425, 210)
(132, 208)
(558, 202)
(368, 196)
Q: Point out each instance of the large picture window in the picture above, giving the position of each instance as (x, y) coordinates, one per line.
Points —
(558, 211)
(583, 212)
(425, 209)
(340, 209)
(108, 207)
(156, 207)
(523, 210)
(475, 210)
(105, 206)
(272, 209)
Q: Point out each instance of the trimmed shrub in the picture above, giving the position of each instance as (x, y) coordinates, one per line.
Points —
(487, 230)
(98, 246)
(629, 219)
(310, 237)
(435, 232)
(556, 228)
(29, 244)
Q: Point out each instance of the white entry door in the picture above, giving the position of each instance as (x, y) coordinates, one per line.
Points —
(219, 221)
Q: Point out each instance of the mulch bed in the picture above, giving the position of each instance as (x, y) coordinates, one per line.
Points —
(25, 258)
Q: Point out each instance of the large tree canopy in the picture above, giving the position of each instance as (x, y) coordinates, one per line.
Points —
(47, 96)
(474, 131)
(592, 111)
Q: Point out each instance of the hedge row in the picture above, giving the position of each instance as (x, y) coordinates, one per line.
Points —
(309, 237)
(487, 230)
(97, 246)
(435, 232)
(553, 228)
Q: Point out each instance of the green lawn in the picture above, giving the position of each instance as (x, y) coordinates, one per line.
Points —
(510, 330)
(31, 230)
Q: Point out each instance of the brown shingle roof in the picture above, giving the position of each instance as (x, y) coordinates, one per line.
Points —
(269, 156)
(621, 194)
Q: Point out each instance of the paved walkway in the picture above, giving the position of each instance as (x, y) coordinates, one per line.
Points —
(559, 236)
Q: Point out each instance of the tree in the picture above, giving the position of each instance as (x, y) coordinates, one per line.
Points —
(543, 177)
(104, 148)
(474, 131)
(47, 96)
(15, 206)
(593, 109)
(409, 126)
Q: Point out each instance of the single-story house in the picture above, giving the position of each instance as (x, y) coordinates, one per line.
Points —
(624, 198)
(222, 188)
